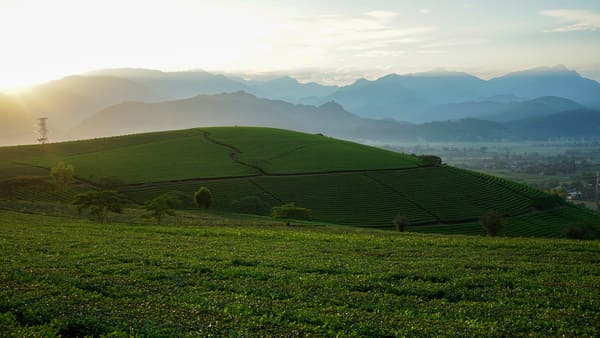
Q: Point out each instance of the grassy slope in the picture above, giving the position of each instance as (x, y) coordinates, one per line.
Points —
(423, 195)
(76, 278)
(280, 151)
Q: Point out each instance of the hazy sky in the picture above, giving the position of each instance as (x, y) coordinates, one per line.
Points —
(328, 40)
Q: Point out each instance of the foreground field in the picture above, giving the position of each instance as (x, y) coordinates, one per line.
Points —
(74, 278)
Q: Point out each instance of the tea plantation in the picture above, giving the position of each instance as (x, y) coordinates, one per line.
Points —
(69, 277)
(340, 182)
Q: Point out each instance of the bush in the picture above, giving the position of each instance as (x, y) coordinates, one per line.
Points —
(400, 223)
(574, 232)
(290, 210)
(250, 205)
(492, 221)
(547, 202)
(430, 161)
(203, 198)
(582, 231)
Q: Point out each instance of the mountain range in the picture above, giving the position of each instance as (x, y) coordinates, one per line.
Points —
(421, 106)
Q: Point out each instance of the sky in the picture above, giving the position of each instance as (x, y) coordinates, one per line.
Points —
(327, 41)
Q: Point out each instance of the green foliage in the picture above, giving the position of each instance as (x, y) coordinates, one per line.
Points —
(203, 198)
(63, 174)
(35, 184)
(400, 223)
(77, 278)
(492, 222)
(100, 203)
(161, 206)
(290, 210)
(582, 231)
(250, 205)
(430, 161)
(548, 201)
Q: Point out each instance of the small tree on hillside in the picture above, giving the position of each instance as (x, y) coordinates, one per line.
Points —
(63, 174)
(400, 223)
(100, 203)
(492, 221)
(161, 206)
(203, 198)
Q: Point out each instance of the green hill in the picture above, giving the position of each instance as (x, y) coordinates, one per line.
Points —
(341, 182)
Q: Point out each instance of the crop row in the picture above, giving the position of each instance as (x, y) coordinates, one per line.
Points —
(424, 195)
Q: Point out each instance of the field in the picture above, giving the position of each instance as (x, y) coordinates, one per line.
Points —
(74, 278)
(340, 182)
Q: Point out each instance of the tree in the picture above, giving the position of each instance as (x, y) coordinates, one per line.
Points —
(203, 198)
(400, 222)
(63, 174)
(161, 206)
(492, 221)
(100, 203)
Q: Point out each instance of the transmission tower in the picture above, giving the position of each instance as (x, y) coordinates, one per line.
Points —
(42, 130)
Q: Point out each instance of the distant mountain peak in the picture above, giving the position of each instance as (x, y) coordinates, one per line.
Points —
(560, 69)
(332, 105)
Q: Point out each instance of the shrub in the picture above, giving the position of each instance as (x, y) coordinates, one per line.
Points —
(547, 202)
(400, 223)
(574, 232)
(250, 205)
(203, 198)
(492, 221)
(582, 231)
(290, 210)
(430, 161)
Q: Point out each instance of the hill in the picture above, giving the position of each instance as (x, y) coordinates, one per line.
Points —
(244, 109)
(238, 108)
(341, 182)
(499, 111)
(229, 276)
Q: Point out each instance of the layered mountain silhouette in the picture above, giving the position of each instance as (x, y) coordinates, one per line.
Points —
(408, 97)
(244, 109)
(436, 105)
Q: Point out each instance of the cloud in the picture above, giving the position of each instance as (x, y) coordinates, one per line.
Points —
(381, 53)
(382, 15)
(454, 43)
(370, 34)
(577, 20)
(424, 10)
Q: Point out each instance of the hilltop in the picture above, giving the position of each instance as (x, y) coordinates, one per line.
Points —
(341, 182)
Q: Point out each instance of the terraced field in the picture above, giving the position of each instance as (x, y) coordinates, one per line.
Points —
(341, 182)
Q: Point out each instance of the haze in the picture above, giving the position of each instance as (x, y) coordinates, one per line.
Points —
(331, 42)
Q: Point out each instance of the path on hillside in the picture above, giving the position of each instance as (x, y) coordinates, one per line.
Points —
(236, 152)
